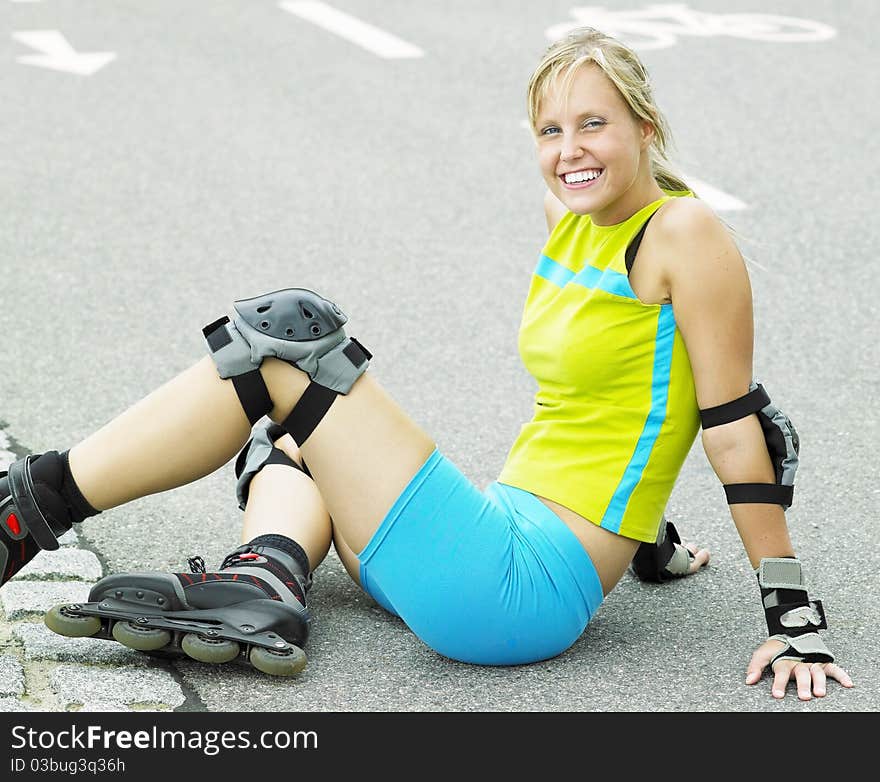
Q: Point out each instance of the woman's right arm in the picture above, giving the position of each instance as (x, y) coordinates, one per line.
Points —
(554, 209)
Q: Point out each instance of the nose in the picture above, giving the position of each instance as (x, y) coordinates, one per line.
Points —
(571, 148)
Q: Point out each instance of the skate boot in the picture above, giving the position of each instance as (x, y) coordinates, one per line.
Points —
(39, 502)
(252, 610)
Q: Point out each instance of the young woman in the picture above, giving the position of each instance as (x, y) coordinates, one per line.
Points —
(637, 327)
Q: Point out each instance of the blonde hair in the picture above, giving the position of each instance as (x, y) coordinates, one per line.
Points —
(625, 70)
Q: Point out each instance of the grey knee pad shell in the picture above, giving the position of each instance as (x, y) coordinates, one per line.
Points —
(259, 451)
(295, 325)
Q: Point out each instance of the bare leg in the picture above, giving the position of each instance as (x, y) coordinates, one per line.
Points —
(315, 518)
(362, 454)
(183, 430)
(284, 501)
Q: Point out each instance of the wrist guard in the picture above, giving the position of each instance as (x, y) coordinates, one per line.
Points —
(791, 616)
(664, 560)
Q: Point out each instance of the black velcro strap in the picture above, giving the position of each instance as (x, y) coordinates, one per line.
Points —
(308, 412)
(21, 487)
(738, 408)
(774, 616)
(356, 353)
(277, 456)
(770, 493)
(253, 394)
(216, 336)
(650, 560)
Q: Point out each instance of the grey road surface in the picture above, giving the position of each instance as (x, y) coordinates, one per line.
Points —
(233, 148)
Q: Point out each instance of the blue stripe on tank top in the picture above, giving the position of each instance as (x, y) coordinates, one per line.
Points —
(590, 277)
(553, 272)
(663, 344)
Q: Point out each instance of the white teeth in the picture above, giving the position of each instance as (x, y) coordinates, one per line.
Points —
(581, 176)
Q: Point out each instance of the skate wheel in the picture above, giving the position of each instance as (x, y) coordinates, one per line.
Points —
(287, 663)
(209, 650)
(63, 620)
(142, 639)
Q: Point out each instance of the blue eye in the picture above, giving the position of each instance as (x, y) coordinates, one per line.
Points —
(548, 130)
(595, 122)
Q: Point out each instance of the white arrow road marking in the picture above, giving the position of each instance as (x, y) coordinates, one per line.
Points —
(58, 54)
(364, 35)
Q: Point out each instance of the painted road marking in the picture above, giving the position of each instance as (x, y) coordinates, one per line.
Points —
(58, 54)
(365, 35)
(717, 199)
(658, 26)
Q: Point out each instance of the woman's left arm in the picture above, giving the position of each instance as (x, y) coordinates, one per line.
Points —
(711, 296)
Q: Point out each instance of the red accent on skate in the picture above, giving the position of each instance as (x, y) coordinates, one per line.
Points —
(217, 577)
(248, 556)
(13, 524)
(235, 577)
(187, 577)
(204, 577)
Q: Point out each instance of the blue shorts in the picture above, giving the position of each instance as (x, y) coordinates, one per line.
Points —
(494, 577)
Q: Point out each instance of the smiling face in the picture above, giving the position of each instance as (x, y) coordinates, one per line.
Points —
(593, 154)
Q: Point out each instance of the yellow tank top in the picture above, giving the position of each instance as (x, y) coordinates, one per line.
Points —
(615, 413)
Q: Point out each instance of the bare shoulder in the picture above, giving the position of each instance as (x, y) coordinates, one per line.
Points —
(554, 210)
(694, 240)
(686, 218)
(711, 296)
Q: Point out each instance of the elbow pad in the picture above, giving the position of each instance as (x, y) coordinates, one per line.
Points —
(783, 445)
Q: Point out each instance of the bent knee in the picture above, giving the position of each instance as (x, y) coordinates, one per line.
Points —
(287, 445)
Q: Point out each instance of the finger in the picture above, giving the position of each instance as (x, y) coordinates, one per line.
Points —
(836, 672)
(757, 665)
(780, 678)
(804, 680)
(754, 671)
(700, 558)
(819, 679)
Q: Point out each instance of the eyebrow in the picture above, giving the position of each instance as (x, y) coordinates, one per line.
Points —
(581, 115)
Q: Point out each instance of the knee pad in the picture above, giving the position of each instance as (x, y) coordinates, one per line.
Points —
(783, 445)
(300, 327)
(259, 451)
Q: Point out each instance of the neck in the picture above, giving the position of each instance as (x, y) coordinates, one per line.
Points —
(643, 191)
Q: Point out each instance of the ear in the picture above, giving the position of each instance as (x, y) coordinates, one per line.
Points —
(647, 133)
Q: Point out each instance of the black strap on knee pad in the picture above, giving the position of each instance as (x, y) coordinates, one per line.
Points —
(250, 386)
(308, 412)
(317, 399)
(754, 401)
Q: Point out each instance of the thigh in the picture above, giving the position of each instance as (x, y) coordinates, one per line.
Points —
(347, 556)
(362, 454)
